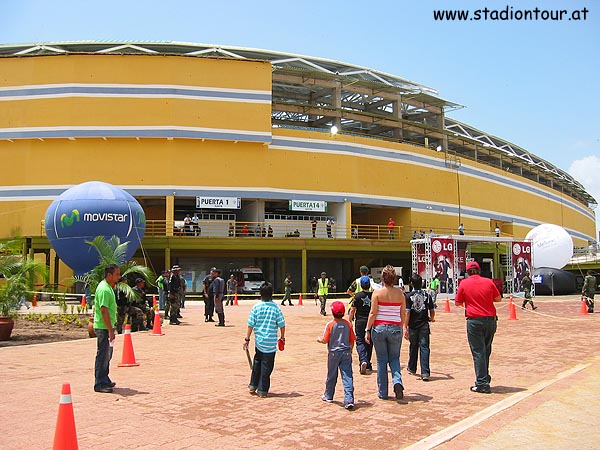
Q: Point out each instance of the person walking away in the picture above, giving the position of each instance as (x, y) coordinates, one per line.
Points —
(478, 295)
(209, 303)
(589, 289)
(526, 285)
(391, 225)
(231, 289)
(461, 229)
(313, 226)
(434, 288)
(384, 328)
(264, 320)
(359, 314)
(420, 311)
(105, 319)
(287, 288)
(174, 295)
(218, 289)
(322, 291)
(340, 338)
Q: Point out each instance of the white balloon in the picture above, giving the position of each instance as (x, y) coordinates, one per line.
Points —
(551, 245)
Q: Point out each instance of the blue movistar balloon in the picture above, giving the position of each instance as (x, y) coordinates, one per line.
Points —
(88, 210)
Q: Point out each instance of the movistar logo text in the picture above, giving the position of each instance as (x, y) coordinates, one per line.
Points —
(67, 221)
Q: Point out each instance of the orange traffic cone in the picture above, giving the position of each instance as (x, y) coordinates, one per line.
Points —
(584, 308)
(65, 436)
(235, 302)
(34, 301)
(300, 300)
(512, 312)
(128, 358)
(83, 302)
(156, 328)
(447, 306)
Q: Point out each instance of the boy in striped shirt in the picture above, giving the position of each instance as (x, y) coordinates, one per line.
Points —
(339, 337)
(265, 317)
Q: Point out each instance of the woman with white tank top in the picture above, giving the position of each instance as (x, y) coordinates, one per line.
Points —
(384, 329)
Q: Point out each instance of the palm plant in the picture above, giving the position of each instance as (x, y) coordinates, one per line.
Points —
(17, 276)
(112, 251)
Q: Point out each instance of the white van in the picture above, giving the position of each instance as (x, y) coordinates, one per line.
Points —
(249, 279)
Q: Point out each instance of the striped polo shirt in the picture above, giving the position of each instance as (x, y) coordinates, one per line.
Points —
(388, 314)
(265, 318)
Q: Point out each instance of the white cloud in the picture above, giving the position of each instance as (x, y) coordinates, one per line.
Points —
(587, 172)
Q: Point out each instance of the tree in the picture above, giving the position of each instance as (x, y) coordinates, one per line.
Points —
(112, 251)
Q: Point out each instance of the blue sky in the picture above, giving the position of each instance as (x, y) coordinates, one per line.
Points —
(533, 83)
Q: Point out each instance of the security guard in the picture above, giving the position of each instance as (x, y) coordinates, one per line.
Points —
(323, 290)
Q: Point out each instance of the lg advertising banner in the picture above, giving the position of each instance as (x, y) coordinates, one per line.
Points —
(442, 255)
(421, 262)
(521, 261)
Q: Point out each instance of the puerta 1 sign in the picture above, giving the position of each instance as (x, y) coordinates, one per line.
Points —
(88, 210)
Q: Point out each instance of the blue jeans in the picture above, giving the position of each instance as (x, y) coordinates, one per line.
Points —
(419, 343)
(103, 357)
(342, 360)
(262, 367)
(161, 299)
(387, 340)
(364, 350)
(480, 333)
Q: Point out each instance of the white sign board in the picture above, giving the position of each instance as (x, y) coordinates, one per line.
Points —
(308, 205)
(218, 203)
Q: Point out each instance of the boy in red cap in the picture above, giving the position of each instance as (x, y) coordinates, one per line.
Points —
(339, 337)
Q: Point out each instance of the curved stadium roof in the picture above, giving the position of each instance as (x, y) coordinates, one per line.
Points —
(461, 139)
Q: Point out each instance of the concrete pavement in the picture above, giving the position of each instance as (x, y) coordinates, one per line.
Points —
(189, 391)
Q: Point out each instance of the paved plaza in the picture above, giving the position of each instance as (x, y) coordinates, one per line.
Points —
(189, 391)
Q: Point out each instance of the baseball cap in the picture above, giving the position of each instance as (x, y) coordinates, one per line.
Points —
(175, 267)
(364, 269)
(323, 273)
(365, 282)
(472, 265)
(338, 308)
(139, 280)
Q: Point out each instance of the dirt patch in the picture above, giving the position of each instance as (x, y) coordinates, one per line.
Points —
(26, 332)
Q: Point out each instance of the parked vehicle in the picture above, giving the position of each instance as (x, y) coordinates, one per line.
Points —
(249, 279)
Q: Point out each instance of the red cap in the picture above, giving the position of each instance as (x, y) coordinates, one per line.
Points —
(472, 265)
(338, 308)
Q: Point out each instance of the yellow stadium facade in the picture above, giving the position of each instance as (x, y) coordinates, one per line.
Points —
(176, 129)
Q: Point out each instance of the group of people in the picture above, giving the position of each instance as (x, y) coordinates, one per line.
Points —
(382, 318)
(171, 294)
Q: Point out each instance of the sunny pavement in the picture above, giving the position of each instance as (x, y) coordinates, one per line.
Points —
(189, 391)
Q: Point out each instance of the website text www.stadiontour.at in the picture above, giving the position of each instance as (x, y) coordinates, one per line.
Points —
(510, 13)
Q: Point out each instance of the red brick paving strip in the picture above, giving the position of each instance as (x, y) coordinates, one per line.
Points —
(189, 391)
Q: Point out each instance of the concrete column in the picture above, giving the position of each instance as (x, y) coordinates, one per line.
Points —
(167, 258)
(397, 113)
(304, 269)
(170, 214)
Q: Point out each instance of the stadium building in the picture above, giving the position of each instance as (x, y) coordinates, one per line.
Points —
(264, 147)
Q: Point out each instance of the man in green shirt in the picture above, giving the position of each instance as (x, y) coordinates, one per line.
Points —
(434, 288)
(105, 318)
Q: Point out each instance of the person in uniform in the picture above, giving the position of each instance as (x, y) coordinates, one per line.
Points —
(589, 289)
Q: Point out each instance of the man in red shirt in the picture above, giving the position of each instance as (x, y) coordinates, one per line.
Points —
(478, 295)
(391, 226)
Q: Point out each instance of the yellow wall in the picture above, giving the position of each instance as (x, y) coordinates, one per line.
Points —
(194, 163)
